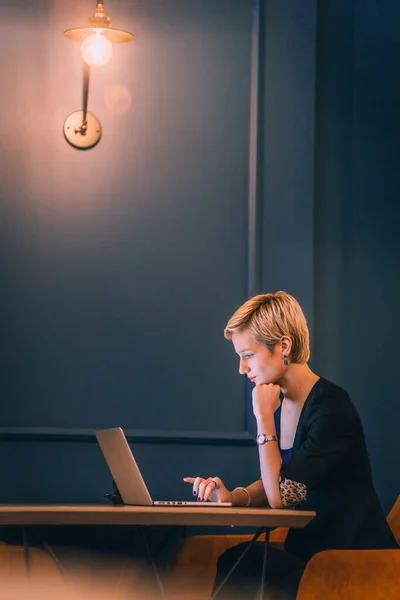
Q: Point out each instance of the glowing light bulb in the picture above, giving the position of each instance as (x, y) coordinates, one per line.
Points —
(96, 49)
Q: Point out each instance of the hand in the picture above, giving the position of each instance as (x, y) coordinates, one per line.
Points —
(212, 489)
(265, 400)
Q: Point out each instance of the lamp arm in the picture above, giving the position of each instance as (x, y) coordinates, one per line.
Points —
(82, 129)
(86, 81)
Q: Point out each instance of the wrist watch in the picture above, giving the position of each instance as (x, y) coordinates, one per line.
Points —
(263, 439)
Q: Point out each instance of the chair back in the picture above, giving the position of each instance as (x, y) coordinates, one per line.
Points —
(393, 519)
(352, 575)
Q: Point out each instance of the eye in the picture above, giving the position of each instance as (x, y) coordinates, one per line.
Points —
(247, 356)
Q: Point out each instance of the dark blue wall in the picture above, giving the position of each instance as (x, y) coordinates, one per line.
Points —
(120, 266)
(357, 217)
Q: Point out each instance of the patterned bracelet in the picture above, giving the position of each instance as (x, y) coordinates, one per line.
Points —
(248, 495)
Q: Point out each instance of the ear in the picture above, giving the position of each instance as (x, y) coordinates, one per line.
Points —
(285, 345)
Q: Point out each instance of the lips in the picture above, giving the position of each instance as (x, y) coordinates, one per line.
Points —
(252, 379)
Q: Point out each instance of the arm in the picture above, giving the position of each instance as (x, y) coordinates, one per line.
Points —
(265, 402)
(270, 462)
(280, 489)
(213, 488)
(257, 495)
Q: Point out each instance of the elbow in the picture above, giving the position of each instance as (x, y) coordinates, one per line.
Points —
(273, 495)
(274, 499)
(276, 502)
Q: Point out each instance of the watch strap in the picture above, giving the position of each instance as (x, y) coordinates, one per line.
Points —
(263, 438)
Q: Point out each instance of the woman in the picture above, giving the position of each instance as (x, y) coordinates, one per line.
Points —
(311, 449)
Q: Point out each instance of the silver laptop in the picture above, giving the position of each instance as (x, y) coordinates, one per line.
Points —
(126, 473)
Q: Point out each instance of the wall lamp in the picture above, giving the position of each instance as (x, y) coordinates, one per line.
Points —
(81, 128)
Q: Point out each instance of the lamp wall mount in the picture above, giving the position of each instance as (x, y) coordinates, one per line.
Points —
(82, 133)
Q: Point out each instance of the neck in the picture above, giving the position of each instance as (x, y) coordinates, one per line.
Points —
(297, 383)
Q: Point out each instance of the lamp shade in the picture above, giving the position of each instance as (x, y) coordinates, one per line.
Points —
(100, 21)
(116, 36)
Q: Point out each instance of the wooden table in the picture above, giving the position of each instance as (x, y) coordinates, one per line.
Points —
(86, 514)
(53, 514)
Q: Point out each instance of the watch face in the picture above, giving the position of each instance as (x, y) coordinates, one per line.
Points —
(260, 438)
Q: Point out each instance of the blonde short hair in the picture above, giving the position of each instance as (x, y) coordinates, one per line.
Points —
(269, 317)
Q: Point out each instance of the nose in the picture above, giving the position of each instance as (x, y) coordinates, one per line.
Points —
(243, 367)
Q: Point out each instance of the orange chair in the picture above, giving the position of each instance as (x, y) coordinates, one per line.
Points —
(393, 520)
(12, 563)
(355, 574)
(123, 580)
(195, 563)
(352, 575)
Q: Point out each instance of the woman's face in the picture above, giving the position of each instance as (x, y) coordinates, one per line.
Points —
(256, 361)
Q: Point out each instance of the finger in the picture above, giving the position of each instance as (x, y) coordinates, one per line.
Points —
(218, 481)
(202, 487)
(215, 484)
(189, 479)
(210, 488)
(196, 484)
